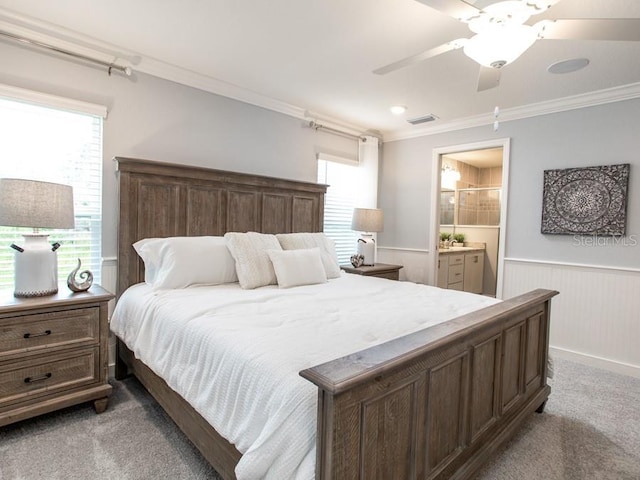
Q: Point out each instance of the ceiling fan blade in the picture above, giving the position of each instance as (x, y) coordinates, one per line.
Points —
(488, 78)
(617, 29)
(412, 60)
(458, 9)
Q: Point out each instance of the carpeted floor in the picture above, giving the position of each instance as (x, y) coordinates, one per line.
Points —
(590, 430)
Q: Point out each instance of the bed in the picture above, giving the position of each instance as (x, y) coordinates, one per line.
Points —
(434, 403)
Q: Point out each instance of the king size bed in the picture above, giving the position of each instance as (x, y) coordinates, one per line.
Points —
(368, 380)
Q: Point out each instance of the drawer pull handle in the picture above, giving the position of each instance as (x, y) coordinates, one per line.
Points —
(34, 335)
(37, 379)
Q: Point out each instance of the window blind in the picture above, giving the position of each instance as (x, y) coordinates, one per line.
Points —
(339, 201)
(54, 145)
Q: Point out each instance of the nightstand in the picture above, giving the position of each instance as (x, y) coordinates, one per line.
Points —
(382, 270)
(53, 352)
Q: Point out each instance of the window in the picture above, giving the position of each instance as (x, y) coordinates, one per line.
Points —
(49, 144)
(343, 180)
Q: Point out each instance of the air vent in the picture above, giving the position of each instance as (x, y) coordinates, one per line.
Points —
(423, 119)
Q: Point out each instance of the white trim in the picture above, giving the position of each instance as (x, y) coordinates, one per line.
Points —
(572, 265)
(599, 97)
(494, 227)
(401, 249)
(434, 223)
(594, 361)
(47, 100)
(337, 157)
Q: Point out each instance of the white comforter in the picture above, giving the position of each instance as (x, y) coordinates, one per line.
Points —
(235, 354)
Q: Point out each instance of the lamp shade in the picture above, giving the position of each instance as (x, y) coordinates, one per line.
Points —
(367, 220)
(500, 45)
(30, 203)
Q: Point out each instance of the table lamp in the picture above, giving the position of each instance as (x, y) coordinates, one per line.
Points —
(30, 203)
(367, 221)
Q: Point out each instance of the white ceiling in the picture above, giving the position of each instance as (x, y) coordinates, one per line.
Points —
(318, 55)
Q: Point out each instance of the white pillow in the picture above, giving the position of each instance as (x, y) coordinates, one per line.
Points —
(149, 251)
(253, 265)
(294, 241)
(178, 262)
(298, 267)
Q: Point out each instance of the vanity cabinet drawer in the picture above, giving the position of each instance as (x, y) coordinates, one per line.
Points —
(29, 333)
(456, 273)
(456, 260)
(46, 375)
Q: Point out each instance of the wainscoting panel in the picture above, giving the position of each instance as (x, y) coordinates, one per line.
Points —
(595, 319)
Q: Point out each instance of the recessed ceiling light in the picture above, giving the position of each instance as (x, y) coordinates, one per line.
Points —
(568, 66)
(398, 109)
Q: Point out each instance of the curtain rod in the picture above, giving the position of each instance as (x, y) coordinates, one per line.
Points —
(313, 124)
(110, 66)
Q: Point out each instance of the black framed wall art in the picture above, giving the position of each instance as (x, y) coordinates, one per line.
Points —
(585, 201)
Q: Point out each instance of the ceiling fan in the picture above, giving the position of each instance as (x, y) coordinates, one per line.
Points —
(502, 33)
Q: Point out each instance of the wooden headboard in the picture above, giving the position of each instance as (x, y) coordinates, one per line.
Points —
(168, 200)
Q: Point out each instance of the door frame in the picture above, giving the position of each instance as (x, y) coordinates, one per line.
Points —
(438, 153)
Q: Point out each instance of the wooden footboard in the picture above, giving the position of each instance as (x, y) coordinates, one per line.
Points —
(437, 403)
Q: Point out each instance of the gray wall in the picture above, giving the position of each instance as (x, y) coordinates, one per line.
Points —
(161, 120)
(601, 135)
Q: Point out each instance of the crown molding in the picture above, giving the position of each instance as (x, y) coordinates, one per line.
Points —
(591, 99)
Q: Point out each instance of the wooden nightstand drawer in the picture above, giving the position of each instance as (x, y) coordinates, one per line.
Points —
(44, 375)
(389, 275)
(30, 333)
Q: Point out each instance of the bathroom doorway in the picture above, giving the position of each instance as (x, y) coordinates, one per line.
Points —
(469, 197)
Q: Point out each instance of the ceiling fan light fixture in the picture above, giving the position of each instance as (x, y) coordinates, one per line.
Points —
(510, 12)
(500, 45)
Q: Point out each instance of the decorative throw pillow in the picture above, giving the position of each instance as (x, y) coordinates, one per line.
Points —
(295, 241)
(177, 262)
(253, 265)
(298, 267)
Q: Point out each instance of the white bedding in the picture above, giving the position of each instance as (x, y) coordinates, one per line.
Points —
(235, 354)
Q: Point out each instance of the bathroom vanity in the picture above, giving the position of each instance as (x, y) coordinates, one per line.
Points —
(461, 268)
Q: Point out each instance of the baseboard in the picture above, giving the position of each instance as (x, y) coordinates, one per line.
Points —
(597, 362)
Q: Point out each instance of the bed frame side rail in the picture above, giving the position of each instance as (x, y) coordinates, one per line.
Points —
(434, 404)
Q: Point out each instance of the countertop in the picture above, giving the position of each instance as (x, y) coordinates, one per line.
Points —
(445, 251)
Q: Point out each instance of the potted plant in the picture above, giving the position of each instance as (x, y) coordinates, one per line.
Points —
(445, 239)
(458, 238)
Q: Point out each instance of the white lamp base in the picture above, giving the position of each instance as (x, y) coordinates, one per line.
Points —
(367, 248)
(36, 268)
